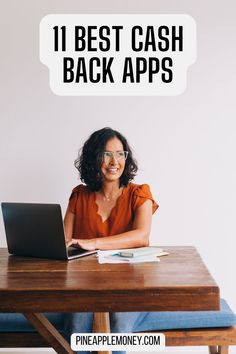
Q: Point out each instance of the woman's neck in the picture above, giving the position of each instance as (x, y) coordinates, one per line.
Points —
(110, 190)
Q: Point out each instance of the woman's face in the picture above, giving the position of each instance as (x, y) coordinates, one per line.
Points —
(113, 163)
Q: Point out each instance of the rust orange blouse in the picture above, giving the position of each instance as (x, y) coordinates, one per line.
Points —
(89, 224)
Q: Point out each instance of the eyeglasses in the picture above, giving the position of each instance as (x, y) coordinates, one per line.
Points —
(118, 155)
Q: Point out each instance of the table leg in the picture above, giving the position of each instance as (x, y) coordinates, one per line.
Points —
(49, 333)
(101, 324)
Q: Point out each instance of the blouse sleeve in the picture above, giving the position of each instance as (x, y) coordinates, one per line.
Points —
(73, 200)
(141, 194)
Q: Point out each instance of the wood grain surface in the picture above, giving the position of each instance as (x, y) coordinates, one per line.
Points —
(180, 281)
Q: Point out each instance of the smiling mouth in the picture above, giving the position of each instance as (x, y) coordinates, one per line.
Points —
(112, 170)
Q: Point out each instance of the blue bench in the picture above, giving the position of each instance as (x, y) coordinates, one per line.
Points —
(215, 329)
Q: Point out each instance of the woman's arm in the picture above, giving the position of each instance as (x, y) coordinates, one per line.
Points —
(69, 225)
(137, 237)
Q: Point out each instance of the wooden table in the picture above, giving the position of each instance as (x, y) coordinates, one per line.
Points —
(180, 281)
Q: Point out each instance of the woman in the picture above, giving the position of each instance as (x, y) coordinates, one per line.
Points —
(108, 212)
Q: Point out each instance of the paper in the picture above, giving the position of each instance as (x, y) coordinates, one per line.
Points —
(112, 256)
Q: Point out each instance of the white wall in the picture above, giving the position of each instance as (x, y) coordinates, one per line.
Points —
(185, 145)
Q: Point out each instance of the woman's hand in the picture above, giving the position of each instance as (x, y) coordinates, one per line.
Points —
(88, 245)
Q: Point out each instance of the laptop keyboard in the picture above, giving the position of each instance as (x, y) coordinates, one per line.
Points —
(72, 251)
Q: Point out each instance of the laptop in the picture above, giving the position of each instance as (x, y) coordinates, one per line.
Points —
(37, 230)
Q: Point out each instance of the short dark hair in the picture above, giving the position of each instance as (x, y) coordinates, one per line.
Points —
(89, 161)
